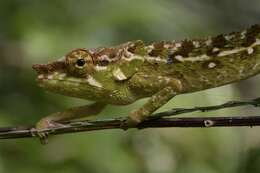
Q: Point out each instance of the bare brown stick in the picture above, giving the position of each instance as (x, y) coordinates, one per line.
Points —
(158, 120)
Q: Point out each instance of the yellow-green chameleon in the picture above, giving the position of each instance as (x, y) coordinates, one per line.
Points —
(122, 74)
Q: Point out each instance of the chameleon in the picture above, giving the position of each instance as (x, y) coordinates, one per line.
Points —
(122, 74)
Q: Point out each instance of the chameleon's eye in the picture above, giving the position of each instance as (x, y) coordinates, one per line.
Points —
(80, 63)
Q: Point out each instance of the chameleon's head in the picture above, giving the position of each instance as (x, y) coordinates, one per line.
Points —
(91, 73)
(70, 75)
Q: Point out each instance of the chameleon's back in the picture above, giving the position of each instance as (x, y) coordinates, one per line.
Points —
(125, 73)
(122, 74)
(208, 63)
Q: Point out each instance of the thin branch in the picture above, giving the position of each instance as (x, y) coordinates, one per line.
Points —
(158, 120)
(230, 104)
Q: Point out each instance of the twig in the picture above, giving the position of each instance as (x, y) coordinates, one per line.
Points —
(254, 102)
(158, 120)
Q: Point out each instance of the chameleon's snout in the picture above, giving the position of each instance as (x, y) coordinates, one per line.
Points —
(49, 68)
(43, 71)
(46, 71)
(40, 68)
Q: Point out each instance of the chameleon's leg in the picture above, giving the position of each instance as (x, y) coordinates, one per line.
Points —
(154, 103)
(54, 120)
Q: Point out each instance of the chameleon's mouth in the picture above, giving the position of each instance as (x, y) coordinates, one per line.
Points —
(54, 74)
(60, 81)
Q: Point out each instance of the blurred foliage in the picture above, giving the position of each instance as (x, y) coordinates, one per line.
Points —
(34, 31)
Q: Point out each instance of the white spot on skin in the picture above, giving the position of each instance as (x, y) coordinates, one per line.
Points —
(250, 50)
(100, 68)
(93, 82)
(166, 46)
(133, 57)
(157, 59)
(104, 57)
(119, 75)
(229, 37)
(41, 76)
(208, 42)
(212, 65)
(196, 44)
(215, 49)
(177, 45)
(243, 34)
(257, 42)
(50, 77)
(62, 76)
(230, 52)
(179, 58)
(192, 59)
(149, 48)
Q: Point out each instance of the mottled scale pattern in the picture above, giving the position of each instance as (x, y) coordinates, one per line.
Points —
(216, 60)
(133, 70)
(122, 74)
(199, 63)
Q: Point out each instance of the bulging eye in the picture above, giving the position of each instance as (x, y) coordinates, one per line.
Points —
(80, 63)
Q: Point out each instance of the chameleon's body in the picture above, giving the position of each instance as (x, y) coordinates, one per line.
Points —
(123, 74)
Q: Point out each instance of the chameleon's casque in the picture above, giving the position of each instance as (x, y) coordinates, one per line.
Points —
(125, 73)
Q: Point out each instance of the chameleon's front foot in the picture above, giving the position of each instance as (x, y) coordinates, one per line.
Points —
(132, 120)
(44, 124)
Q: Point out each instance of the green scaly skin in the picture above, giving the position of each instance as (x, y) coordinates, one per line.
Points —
(123, 74)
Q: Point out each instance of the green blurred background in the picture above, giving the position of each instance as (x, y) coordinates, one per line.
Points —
(34, 31)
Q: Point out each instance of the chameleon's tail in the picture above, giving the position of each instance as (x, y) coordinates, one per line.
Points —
(241, 53)
(212, 62)
(232, 57)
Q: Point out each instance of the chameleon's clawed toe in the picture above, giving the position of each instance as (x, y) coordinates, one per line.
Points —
(43, 136)
(43, 125)
(129, 122)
